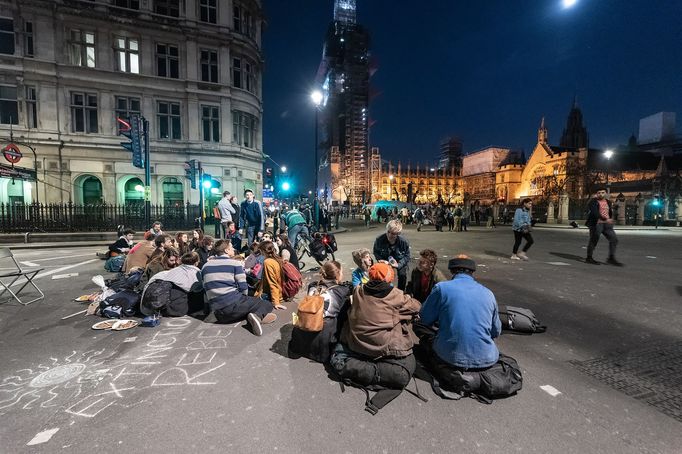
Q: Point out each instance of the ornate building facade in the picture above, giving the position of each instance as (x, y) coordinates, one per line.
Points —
(192, 68)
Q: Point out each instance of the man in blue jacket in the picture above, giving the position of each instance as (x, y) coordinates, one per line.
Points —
(251, 217)
(466, 313)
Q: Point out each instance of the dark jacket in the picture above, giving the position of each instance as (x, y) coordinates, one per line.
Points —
(251, 214)
(379, 321)
(203, 255)
(400, 250)
(121, 243)
(593, 212)
(414, 287)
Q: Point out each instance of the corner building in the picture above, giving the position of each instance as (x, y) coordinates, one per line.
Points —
(192, 68)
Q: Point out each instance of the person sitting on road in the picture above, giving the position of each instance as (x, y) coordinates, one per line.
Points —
(425, 275)
(168, 259)
(156, 229)
(182, 243)
(226, 289)
(197, 238)
(140, 254)
(204, 250)
(319, 345)
(270, 285)
(268, 236)
(253, 265)
(174, 292)
(395, 250)
(363, 259)
(123, 244)
(232, 234)
(468, 322)
(285, 246)
(162, 242)
(375, 348)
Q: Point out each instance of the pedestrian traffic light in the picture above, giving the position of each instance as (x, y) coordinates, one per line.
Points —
(132, 129)
(206, 181)
(191, 172)
(286, 186)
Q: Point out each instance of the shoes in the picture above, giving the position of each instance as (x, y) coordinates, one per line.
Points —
(255, 324)
(614, 262)
(269, 318)
(522, 255)
(515, 257)
(591, 261)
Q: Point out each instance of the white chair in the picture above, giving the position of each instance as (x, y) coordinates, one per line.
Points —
(16, 274)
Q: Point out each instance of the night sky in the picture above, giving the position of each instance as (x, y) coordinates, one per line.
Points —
(484, 70)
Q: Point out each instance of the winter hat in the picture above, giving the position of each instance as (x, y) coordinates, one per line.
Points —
(381, 272)
(358, 254)
(462, 261)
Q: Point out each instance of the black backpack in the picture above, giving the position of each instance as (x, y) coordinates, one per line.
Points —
(520, 320)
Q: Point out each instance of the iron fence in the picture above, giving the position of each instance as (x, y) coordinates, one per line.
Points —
(69, 217)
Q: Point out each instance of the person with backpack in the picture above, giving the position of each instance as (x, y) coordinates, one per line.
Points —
(270, 285)
(224, 281)
(375, 348)
(521, 228)
(335, 299)
(174, 292)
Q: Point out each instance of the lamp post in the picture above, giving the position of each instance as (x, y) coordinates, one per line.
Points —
(390, 187)
(316, 97)
(607, 155)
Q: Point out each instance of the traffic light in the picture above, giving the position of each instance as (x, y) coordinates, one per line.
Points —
(657, 201)
(286, 186)
(206, 181)
(132, 129)
(191, 172)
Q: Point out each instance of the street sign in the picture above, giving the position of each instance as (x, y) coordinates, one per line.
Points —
(18, 173)
(12, 153)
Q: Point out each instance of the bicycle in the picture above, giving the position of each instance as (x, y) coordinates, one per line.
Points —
(303, 247)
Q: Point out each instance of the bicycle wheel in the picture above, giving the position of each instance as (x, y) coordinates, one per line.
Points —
(302, 247)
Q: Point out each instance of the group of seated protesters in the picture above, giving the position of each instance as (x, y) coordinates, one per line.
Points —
(178, 271)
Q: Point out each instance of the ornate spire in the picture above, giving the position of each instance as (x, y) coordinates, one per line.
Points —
(542, 132)
(575, 134)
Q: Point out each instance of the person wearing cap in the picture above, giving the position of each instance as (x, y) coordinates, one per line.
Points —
(376, 341)
(392, 248)
(467, 318)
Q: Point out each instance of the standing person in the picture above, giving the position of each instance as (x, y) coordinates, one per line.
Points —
(226, 289)
(295, 223)
(419, 217)
(439, 218)
(600, 222)
(394, 249)
(226, 212)
(450, 216)
(270, 285)
(424, 276)
(477, 214)
(251, 217)
(367, 214)
(521, 228)
(458, 218)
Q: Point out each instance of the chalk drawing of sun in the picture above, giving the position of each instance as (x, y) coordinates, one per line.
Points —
(53, 384)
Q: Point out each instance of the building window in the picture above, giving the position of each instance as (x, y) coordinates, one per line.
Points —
(168, 118)
(208, 11)
(31, 108)
(240, 173)
(127, 54)
(250, 78)
(209, 65)
(237, 72)
(210, 121)
(6, 36)
(167, 7)
(126, 107)
(242, 21)
(82, 48)
(167, 62)
(130, 4)
(243, 129)
(84, 112)
(28, 39)
(9, 108)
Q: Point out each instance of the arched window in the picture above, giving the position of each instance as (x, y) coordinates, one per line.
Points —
(134, 191)
(172, 192)
(92, 191)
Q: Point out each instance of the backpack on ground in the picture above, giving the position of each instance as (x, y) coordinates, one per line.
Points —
(123, 303)
(310, 314)
(156, 297)
(115, 264)
(520, 320)
(291, 280)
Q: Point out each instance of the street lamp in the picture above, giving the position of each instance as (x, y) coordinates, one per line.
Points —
(607, 155)
(316, 97)
(284, 169)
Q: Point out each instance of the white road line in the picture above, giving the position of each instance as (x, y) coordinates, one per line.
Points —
(64, 276)
(558, 263)
(42, 437)
(551, 390)
(650, 257)
(29, 264)
(55, 271)
(62, 257)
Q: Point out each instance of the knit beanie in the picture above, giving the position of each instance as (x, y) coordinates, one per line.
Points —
(381, 272)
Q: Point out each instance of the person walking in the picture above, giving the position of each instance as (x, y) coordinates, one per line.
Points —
(600, 222)
(419, 217)
(226, 212)
(521, 228)
(251, 217)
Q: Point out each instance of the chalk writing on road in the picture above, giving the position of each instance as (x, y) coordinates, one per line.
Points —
(85, 384)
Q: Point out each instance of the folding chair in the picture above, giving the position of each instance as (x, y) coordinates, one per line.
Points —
(16, 274)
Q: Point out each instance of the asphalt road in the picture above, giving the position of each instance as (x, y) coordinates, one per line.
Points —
(612, 352)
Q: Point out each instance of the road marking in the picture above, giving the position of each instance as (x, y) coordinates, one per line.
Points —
(57, 270)
(551, 390)
(650, 257)
(130, 339)
(42, 437)
(62, 257)
(558, 263)
(29, 264)
(64, 276)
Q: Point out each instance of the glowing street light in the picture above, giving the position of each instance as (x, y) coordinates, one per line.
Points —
(284, 169)
(391, 177)
(139, 188)
(316, 97)
(607, 155)
(286, 186)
